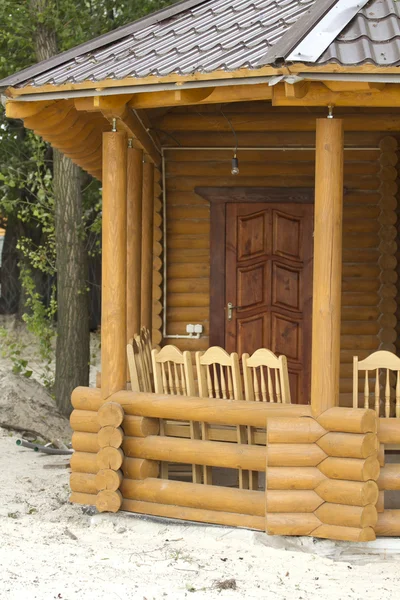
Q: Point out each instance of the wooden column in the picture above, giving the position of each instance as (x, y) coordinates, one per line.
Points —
(147, 244)
(134, 241)
(325, 363)
(113, 310)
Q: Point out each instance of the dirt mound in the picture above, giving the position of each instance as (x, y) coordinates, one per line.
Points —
(24, 403)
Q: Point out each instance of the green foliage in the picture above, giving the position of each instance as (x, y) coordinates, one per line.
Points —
(26, 191)
(13, 348)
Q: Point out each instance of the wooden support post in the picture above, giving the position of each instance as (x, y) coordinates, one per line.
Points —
(134, 241)
(147, 245)
(113, 313)
(327, 265)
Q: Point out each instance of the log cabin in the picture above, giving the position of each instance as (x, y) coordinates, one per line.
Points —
(248, 156)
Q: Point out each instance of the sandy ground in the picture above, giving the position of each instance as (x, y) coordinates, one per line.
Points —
(51, 549)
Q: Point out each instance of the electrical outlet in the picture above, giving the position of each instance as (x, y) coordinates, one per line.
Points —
(190, 328)
(198, 328)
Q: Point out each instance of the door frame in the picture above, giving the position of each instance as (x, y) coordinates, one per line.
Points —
(219, 197)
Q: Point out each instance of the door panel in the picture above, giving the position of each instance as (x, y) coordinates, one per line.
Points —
(268, 280)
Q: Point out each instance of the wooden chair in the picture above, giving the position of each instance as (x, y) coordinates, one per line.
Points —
(173, 374)
(259, 384)
(218, 375)
(139, 376)
(387, 361)
(143, 342)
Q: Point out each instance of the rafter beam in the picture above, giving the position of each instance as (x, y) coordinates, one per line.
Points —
(297, 90)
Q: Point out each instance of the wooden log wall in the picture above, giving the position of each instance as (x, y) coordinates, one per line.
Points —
(321, 475)
(369, 264)
(325, 477)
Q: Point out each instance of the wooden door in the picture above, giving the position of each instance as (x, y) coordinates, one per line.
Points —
(268, 280)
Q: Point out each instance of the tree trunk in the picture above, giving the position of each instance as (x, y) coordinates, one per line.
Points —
(73, 338)
(72, 351)
(9, 276)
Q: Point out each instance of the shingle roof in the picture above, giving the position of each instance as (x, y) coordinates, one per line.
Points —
(372, 36)
(211, 36)
(205, 36)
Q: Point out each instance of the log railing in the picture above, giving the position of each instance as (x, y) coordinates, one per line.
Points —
(325, 476)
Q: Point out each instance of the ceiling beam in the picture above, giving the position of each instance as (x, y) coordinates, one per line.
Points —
(128, 121)
(318, 94)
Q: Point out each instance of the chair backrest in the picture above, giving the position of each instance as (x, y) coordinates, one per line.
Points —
(260, 384)
(140, 381)
(147, 347)
(379, 362)
(173, 372)
(218, 374)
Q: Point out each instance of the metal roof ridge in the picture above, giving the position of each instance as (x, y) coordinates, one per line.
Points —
(326, 31)
(278, 53)
(102, 40)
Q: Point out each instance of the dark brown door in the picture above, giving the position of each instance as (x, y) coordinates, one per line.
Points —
(268, 281)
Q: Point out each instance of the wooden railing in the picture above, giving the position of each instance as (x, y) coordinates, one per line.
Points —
(322, 479)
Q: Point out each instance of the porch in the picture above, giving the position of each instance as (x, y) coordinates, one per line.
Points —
(188, 240)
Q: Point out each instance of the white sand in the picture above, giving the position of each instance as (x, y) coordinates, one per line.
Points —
(125, 557)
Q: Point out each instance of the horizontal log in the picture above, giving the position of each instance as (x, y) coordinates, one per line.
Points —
(194, 514)
(389, 478)
(294, 431)
(85, 442)
(195, 495)
(388, 523)
(292, 523)
(83, 482)
(86, 421)
(270, 156)
(220, 412)
(351, 469)
(345, 534)
(381, 455)
(213, 454)
(215, 434)
(380, 505)
(389, 431)
(360, 313)
(359, 342)
(347, 516)
(285, 168)
(351, 182)
(287, 478)
(110, 436)
(84, 462)
(269, 122)
(110, 414)
(294, 455)
(292, 501)
(85, 499)
(86, 398)
(353, 493)
(107, 501)
(360, 285)
(188, 286)
(349, 445)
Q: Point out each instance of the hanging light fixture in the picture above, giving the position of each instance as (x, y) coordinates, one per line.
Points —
(235, 160)
(235, 165)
